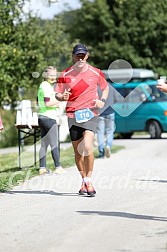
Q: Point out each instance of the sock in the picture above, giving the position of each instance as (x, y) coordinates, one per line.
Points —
(86, 179)
(89, 179)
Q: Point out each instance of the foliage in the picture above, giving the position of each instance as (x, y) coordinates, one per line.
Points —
(27, 45)
(8, 137)
(141, 28)
(123, 29)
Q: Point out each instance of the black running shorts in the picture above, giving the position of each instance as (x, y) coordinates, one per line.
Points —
(77, 129)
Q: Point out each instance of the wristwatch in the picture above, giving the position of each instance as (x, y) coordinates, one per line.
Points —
(103, 100)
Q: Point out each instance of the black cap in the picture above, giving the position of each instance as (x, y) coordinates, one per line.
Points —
(80, 48)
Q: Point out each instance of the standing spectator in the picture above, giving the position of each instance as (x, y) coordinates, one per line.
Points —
(48, 111)
(106, 125)
(1, 124)
(78, 86)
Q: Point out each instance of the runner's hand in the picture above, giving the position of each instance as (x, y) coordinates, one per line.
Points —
(66, 94)
(99, 103)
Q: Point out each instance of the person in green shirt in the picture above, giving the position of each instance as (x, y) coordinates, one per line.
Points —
(48, 111)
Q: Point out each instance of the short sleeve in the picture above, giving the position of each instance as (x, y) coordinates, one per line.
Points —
(102, 81)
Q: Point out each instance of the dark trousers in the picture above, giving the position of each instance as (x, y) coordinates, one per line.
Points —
(49, 136)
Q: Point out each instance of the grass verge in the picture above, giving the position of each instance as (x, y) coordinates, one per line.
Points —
(11, 174)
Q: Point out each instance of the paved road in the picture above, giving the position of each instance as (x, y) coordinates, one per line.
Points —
(129, 213)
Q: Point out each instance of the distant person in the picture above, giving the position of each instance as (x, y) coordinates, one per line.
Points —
(1, 124)
(48, 111)
(78, 86)
(106, 125)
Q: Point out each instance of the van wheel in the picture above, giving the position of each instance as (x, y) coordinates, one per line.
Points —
(126, 135)
(154, 130)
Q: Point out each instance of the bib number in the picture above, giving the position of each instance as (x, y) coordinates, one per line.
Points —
(83, 115)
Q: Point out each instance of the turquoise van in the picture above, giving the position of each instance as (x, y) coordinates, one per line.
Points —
(140, 106)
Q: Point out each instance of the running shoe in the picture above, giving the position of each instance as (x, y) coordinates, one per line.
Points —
(83, 189)
(107, 152)
(43, 171)
(90, 189)
(59, 170)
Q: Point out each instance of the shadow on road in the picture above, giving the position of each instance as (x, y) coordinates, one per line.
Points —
(152, 180)
(124, 215)
(49, 192)
(40, 192)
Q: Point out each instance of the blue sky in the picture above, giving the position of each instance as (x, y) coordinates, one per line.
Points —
(56, 7)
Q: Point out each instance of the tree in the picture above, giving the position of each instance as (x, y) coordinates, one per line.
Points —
(28, 45)
(140, 30)
(94, 27)
(123, 29)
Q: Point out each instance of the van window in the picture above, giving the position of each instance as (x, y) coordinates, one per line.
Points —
(130, 94)
(136, 95)
(157, 95)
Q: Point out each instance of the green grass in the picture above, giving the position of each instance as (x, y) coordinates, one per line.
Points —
(11, 174)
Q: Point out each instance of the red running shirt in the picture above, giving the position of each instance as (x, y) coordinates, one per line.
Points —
(82, 86)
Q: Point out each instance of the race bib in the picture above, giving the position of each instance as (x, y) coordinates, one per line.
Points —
(83, 115)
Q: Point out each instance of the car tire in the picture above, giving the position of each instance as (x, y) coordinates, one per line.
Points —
(154, 130)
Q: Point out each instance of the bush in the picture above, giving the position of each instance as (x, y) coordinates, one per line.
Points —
(8, 137)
